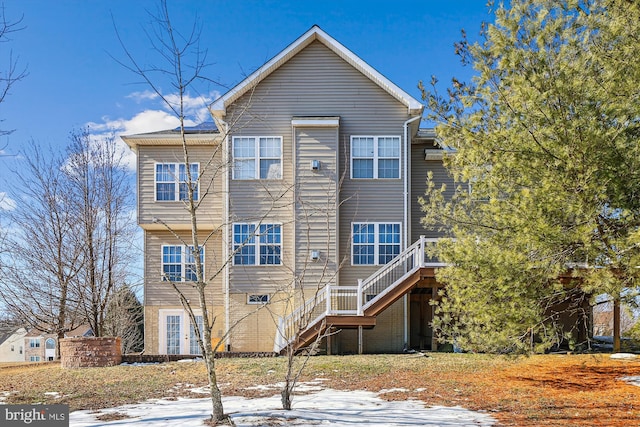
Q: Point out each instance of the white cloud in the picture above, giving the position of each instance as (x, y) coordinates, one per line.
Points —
(146, 121)
(146, 95)
(6, 202)
(194, 107)
(154, 118)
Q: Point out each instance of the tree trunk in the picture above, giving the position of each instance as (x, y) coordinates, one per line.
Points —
(616, 325)
(217, 416)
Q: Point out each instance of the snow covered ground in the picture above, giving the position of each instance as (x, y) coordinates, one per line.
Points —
(321, 407)
(314, 406)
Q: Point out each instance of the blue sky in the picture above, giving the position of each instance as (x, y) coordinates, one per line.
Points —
(74, 81)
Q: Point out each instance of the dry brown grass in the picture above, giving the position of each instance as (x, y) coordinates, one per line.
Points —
(553, 390)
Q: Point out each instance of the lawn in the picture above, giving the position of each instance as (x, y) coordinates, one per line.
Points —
(550, 390)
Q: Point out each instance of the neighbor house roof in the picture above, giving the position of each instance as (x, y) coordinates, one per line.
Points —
(7, 331)
(218, 108)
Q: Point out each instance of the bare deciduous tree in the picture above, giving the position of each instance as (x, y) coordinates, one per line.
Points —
(13, 72)
(71, 234)
(100, 195)
(42, 259)
(183, 63)
(312, 277)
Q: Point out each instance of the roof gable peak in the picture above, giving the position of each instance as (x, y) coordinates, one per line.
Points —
(218, 107)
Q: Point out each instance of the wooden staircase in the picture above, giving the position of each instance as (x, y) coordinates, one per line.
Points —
(345, 307)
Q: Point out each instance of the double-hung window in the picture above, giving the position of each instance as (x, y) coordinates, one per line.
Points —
(178, 263)
(172, 181)
(34, 342)
(257, 244)
(375, 157)
(374, 243)
(257, 157)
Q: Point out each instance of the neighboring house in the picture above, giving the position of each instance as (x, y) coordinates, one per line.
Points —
(12, 343)
(309, 181)
(42, 347)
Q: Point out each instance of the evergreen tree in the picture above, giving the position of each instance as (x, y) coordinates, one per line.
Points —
(547, 170)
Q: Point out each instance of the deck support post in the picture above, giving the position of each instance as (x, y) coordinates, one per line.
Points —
(359, 300)
(434, 340)
(360, 339)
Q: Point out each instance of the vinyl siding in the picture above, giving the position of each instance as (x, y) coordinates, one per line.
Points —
(386, 337)
(419, 169)
(158, 292)
(316, 215)
(316, 82)
(175, 212)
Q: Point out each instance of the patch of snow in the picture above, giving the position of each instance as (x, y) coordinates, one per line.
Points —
(305, 387)
(624, 356)
(200, 390)
(53, 394)
(264, 387)
(393, 390)
(3, 396)
(632, 380)
(139, 363)
(197, 359)
(325, 407)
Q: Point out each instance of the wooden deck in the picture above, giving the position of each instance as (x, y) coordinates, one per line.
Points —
(368, 319)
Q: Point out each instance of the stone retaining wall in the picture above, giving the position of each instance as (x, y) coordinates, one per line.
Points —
(90, 352)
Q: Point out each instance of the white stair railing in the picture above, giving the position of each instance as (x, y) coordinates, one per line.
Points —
(352, 300)
(395, 272)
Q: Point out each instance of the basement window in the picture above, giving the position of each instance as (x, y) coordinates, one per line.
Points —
(258, 299)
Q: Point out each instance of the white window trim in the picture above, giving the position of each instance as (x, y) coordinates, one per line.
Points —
(376, 243)
(256, 157)
(176, 181)
(185, 323)
(252, 299)
(183, 263)
(35, 343)
(257, 244)
(375, 155)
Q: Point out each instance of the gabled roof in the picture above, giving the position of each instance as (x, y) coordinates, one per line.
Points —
(218, 108)
(7, 331)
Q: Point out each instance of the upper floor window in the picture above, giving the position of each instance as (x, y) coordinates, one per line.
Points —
(178, 263)
(172, 181)
(375, 243)
(257, 157)
(257, 244)
(375, 157)
(34, 342)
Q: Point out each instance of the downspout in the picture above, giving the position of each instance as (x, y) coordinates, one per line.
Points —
(405, 243)
(225, 233)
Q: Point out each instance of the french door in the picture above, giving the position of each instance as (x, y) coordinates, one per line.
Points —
(177, 333)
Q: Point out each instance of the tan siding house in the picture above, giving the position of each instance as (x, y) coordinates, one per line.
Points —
(314, 168)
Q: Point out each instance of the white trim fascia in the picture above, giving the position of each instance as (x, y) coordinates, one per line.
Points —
(316, 122)
(218, 107)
